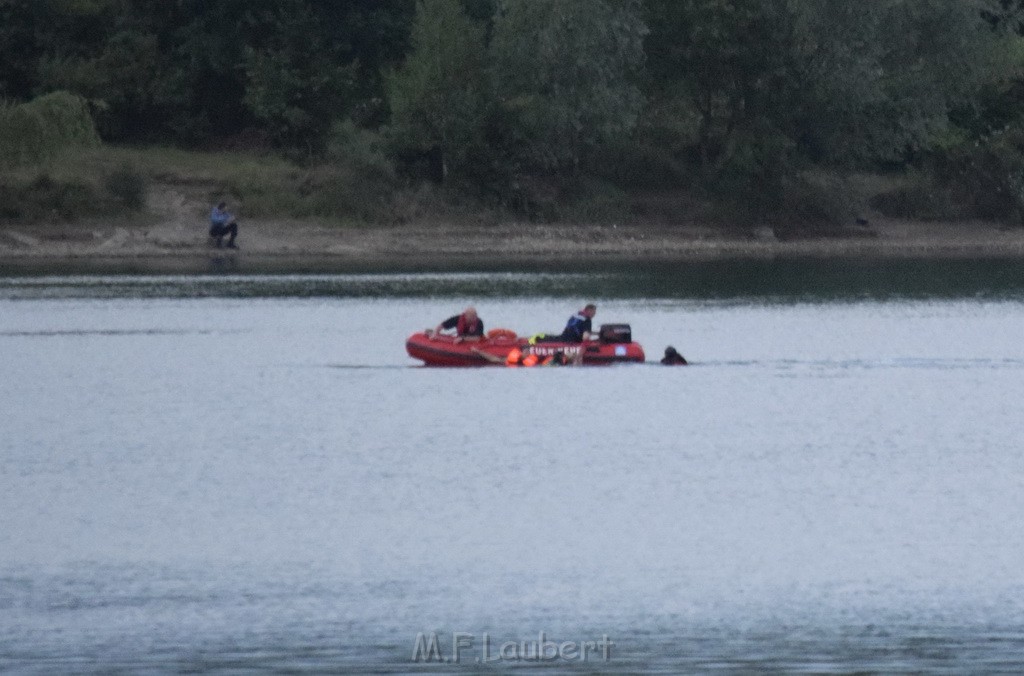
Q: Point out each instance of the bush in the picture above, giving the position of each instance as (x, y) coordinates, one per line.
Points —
(576, 199)
(355, 181)
(816, 201)
(918, 198)
(127, 186)
(360, 149)
(589, 201)
(751, 184)
(425, 202)
(339, 192)
(44, 128)
(987, 177)
(46, 198)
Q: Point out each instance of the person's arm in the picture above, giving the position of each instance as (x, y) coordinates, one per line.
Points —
(449, 323)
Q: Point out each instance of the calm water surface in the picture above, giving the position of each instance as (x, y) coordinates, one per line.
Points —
(248, 473)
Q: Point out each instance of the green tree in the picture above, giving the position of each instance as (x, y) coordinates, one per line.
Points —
(939, 53)
(566, 75)
(19, 46)
(44, 127)
(296, 84)
(124, 83)
(192, 72)
(772, 84)
(733, 66)
(440, 95)
(1004, 15)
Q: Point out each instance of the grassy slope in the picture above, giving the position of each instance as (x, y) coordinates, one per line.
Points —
(264, 185)
(347, 190)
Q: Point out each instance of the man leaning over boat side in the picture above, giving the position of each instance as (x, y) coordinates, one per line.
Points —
(468, 326)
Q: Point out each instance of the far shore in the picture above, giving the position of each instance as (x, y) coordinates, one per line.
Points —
(178, 243)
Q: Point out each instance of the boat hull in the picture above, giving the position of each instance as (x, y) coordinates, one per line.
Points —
(445, 351)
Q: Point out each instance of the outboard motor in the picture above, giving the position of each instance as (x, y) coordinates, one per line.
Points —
(613, 334)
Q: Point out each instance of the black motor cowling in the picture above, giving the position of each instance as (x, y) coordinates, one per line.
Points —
(615, 334)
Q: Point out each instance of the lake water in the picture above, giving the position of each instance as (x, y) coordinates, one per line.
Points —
(234, 473)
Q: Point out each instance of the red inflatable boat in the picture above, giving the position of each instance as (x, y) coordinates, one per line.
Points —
(614, 346)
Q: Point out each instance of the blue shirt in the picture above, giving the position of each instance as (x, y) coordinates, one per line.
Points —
(578, 325)
(219, 216)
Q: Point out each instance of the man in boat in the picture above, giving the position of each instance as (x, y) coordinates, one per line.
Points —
(468, 326)
(673, 358)
(222, 222)
(579, 327)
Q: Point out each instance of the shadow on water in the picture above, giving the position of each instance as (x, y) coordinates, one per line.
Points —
(781, 365)
(787, 280)
(816, 280)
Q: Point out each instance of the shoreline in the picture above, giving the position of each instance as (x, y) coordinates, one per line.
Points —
(180, 246)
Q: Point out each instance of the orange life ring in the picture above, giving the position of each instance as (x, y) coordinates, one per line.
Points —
(501, 334)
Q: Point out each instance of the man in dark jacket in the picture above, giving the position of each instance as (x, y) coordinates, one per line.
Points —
(468, 326)
(579, 325)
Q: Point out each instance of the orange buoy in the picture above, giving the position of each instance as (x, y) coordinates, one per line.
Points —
(501, 334)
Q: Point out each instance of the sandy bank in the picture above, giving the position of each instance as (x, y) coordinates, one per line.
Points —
(173, 239)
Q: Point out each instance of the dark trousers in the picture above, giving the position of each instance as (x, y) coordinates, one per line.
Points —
(219, 231)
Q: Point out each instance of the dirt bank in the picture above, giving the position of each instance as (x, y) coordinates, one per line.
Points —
(172, 237)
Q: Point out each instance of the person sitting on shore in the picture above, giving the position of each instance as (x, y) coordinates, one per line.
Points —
(468, 326)
(222, 222)
(673, 358)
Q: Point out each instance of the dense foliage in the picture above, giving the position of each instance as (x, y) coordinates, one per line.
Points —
(39, 129)
(736, 99)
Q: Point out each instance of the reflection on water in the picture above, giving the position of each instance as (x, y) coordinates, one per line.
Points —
(785, 280)
(228, 474)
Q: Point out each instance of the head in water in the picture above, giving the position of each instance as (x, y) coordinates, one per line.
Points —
(671, 352)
